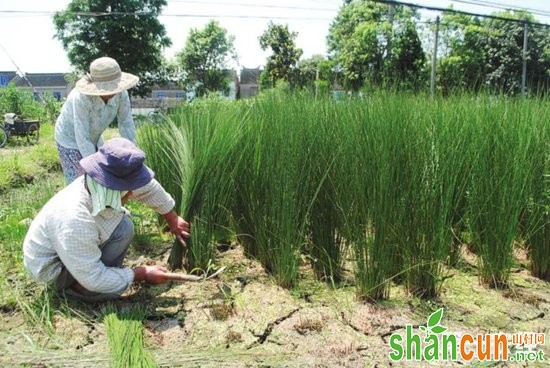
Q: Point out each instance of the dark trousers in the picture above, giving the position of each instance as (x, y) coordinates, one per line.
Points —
(113, 252)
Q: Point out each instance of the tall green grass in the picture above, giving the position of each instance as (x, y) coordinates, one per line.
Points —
(197, 161)
(388, 182)
(537, 210)
(326, 247)
(498, 191)
(278, 188)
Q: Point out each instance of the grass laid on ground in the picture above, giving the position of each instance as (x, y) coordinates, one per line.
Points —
(125, 334)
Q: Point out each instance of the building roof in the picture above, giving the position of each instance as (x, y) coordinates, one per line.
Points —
(43, 80)
(6, 77)
(250, 76)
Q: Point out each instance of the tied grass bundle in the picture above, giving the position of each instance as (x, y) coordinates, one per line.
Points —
(125, 336)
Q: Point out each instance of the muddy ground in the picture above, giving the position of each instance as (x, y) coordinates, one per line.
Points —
(243, 319)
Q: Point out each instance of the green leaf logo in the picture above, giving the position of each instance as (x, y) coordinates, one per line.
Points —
(435, 318)
(433, 325)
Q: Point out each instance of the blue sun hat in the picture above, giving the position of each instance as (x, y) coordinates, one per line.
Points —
(118, 165)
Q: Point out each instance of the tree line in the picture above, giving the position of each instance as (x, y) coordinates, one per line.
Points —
(370, 45)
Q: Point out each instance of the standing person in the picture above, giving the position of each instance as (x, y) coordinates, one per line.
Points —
(79, 239)
(97, 99)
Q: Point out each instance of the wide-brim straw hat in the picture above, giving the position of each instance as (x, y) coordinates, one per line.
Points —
(118, 165)
(105, 78)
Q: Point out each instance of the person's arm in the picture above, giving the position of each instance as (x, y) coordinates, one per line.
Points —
(82, 122)
(178, 226)
(125, 119)
(151, 274)
(154, 196)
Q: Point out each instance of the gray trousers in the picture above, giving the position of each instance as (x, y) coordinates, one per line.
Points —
(113, 252)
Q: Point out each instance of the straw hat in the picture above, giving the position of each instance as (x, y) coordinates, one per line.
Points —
(118, 165)
(105, 78)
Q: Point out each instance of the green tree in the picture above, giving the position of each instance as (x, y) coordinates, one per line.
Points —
(488, 53)
(282, 63)
(408, 59)
(126, 30)
(313, 71)
(205, 58)
(369, 47)
(463, 64)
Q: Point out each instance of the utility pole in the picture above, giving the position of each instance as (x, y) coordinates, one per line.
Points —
(434, 56)
(524, 69)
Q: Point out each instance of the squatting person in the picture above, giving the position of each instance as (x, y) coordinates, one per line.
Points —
(79, 239)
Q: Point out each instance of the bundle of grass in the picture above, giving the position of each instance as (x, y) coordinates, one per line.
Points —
(436, 186)
(366, 194)
(537, 211)
(211, 131)
(497, 192)
(276, 190)
(325, 248)
(197, 158)
(125, 336)
(169, 156)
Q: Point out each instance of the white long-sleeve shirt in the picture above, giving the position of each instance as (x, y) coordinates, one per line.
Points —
(84, 118)
(65, 233)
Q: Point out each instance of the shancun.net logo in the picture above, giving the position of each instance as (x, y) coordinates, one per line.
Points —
(438, 345)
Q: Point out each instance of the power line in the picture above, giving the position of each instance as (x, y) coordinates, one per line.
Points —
(244, 17)
(251, 5)
(479, 2)
(448, 10)
(22, 74)
(432, 8)
(104, 14)
(502, 6)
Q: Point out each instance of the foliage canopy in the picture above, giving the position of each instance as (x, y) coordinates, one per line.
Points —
(205, 59)
(126, 30)
(281, 64)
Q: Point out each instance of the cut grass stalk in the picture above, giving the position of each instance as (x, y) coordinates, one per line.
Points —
(125, 334)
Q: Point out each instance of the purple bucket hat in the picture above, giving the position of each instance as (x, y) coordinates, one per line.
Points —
(118, 165)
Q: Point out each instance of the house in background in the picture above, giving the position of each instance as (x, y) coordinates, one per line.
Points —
(6, 77)
(161, 97)
(172, 94)
(40, 84)
(249, 82)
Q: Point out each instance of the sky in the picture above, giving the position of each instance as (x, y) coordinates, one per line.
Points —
(27, 41)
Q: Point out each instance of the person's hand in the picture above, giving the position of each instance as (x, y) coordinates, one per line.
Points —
(151, 274)
(178, 226)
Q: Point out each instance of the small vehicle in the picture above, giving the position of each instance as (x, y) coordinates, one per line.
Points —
(14, 126)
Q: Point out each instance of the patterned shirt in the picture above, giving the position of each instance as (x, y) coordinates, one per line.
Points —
(84, 118)
(64, 233)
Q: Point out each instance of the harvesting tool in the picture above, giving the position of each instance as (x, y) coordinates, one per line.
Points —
(186, 277)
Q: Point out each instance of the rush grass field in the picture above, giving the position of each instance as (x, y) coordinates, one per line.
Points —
(393, 183)
(340, 224)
